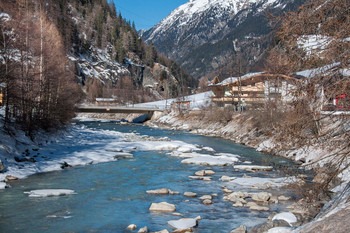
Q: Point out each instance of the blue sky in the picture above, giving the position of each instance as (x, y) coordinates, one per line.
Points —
(146, 13)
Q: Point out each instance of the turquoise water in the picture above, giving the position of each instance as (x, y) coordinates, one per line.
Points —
(112, 195)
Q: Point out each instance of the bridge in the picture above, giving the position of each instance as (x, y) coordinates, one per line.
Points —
(115, 109)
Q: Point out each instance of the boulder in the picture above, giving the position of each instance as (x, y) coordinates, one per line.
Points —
(261, 197)
(183, 224)
(200, 173)
(241, 229)
(271, 227)
(259, 208)
(207, 202)
(143, 230)
(209, 172)
(226, 190)
(190, 194)
(11, 178)
(236, 196)
(206, 197)
(254, 206)
(163, 191)
(273, 199)
(238, 204)
(162, 207)
(205, 173)
(290, 218)
(131, 227)
(249, 204)
(206, 179)
(173, 192)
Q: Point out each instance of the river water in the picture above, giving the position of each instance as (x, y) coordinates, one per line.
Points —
(112, 195)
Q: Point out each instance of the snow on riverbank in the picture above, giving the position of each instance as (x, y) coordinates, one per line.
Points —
(79, 146)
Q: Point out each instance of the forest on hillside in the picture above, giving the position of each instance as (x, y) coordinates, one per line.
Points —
(42, 43)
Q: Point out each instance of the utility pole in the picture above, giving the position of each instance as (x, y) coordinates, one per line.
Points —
(237, 50)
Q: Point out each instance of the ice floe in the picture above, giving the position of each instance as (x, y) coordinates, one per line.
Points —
(259, 182)
(50, 192)
(253, 167)
(216, 160)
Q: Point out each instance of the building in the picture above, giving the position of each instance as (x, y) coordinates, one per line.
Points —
(254, 89)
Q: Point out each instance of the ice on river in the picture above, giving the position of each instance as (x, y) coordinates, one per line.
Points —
(211, 160)
(218, 159)
(81, 146)
(50, 192)
(259, 182)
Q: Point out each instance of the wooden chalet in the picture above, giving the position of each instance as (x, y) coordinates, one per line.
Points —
(254, 89)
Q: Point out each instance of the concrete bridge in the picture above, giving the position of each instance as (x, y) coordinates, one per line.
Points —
(115, 109)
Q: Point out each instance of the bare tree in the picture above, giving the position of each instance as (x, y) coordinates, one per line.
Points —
(316, 37)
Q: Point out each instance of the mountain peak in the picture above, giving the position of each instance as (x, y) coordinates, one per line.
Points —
(199, 23)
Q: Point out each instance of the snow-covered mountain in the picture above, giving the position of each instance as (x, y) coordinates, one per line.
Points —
(199, 24)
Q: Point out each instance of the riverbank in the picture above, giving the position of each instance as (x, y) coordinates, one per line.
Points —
(240, 129)
(205, 171)
(80, 150)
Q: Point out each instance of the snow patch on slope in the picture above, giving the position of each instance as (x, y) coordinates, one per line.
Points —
(185, 13)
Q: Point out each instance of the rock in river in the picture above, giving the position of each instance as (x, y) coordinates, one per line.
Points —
(190, 194)
(162, 207)
(286, 216)
(131, 227)
(261, 197)
(206, 197)
(143, 230)
(163, 191)
(207, 202)
(254, 206)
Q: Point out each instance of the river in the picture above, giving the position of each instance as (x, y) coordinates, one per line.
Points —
(112, 194)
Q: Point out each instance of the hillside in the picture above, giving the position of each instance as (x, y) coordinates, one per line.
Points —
(199, 34)
(81, 50)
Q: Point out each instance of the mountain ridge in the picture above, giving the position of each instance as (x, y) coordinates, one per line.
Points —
(211, 23)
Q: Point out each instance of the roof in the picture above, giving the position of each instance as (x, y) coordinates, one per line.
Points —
(253, 78)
